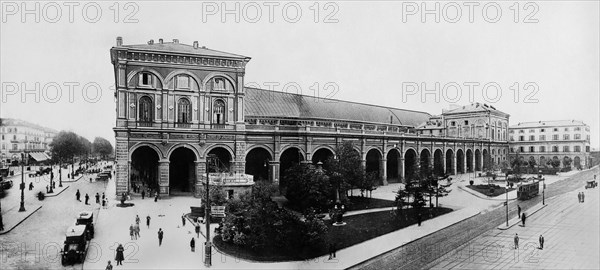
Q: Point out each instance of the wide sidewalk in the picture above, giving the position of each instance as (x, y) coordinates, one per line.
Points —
(570, 231)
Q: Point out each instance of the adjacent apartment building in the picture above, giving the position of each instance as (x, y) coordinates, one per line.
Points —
(18, 136)
(542, 141)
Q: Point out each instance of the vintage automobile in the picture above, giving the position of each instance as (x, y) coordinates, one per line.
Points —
(74, 246)
(86, 218)
(591, 184)
(5, 183)
(102, 176)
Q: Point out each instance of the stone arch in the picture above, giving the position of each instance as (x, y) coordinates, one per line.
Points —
(171, 76)
(477, 160)
(321, 154)
(438, 162)
(373, 159)
(216, 145)
(450, 162)
(159, 152)
(257, 163)
(469, 153)
(134, 72)
(212, 75)
(290, 156)
(410, 164)
(225, 158)
(393, 164)
(143, 169)
(182, 168)
(186, 145)
(264, 146)
(373, 148)
(424, 161)
(460, 161)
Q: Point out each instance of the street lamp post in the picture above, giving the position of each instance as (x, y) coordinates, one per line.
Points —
(506, 203)
(208, 247)
(59, 174)
(543, 188)
(22, 186)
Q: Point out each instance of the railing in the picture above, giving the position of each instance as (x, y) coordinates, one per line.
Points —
(144, 124)
(183, 125)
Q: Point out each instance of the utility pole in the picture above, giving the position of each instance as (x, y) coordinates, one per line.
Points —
(208, 246)
(22, 206)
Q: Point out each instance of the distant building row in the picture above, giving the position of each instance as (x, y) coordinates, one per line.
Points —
(18, 136)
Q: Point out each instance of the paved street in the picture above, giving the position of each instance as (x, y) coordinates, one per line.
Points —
(570, 230)
(36, 242)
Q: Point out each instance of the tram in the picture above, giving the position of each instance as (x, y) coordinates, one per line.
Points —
(527, 190)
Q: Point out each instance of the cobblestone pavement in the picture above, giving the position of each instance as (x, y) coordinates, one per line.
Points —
(36, 243)
(418, 254)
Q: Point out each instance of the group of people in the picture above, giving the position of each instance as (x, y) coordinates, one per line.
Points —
(104, 201)
(581, 197)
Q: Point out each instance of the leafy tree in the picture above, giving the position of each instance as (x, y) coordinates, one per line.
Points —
(67, 145)
(102, 147)
(346, 171)
(555, 162)
(532, 162)
(217, 195)
(401, 201)
(567, 161)
(308, 187)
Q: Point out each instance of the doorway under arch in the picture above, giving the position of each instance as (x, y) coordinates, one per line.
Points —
(182, 171)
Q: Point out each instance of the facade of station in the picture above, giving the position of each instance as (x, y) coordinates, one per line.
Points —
(178, 104)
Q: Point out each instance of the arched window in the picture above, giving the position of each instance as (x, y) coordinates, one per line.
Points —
(219, 112)
(220, 84)
(184, 111)
(145, 109)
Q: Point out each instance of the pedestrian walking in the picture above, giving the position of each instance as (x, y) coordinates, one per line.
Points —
(419, 218)
(519, 211)
(579, 197)
(582, 197)
(156, 198)
(148, 221)
(119, 258)
(541, 241)
(87, 199)
(78, 195)
(143, 194)
(198, 229)
(103, 196)
(193, 244)
(30, 185)
(160, 236)
(47, 188)
(109, 266)
(516, 241)
(104, 203)
(97, 198)
(131, 231)
(183, 220)
(137, 219)
(136, 230)
(523, 217)
(332, 249)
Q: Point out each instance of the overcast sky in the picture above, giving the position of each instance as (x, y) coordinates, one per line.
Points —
(368, 51)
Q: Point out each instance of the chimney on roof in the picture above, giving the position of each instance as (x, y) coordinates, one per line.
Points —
(160, 41)
(176, 41)
(151, 42)
(195, 44)
(119, 41)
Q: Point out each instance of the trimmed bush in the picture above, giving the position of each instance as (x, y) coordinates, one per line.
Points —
(471, 182)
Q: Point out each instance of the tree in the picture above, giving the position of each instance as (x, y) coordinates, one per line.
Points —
(346, 171)
(102, 147)
(401, 201)
(66, 146)
(308, 187)
(532, 162)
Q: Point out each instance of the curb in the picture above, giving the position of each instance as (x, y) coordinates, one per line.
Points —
(515, 221)
(56, 194)
(72, 181)
(7, 231)
(476, 194)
